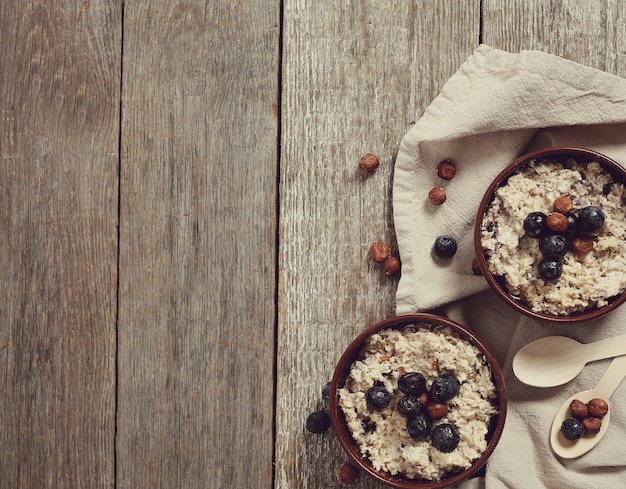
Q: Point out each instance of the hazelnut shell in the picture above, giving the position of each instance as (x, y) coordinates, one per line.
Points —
(391, 266)
(581, 246)
(423, 398)
(436, 410)
(592, 425)
(557, 222)
(348, 474)
(379, 251)
(369, 163)
(597, 407)
(563, 205)
(446, 169)
(476, 267)
(437, 195)
(578, 409)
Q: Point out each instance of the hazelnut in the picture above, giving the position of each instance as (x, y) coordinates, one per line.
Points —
(369, 163)
(437, 195)
(446, 170)
(592, 425)
(348, 474)
(423, 398)
(597, 407)
(391, 266)
(581, 246)
(557, 222)
(475, 268)
(578, 409)
(436, 410)
(379, 251)
(563, 205)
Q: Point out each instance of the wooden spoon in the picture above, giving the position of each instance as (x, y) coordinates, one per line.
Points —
(555, 360)
(611, 379)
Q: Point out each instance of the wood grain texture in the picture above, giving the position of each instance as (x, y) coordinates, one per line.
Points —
(356, 76)
(198, 244)
(59, 106)
(183, 392)
(592, 33)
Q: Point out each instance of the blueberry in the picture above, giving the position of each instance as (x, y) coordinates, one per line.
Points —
(412, 383)
(572, 229)
(535, 224)
(369, 425)
(326, 391)
(318, 422)
(572, 428)
(550, 269)
(377, 397)
(409, 406)
(445, 246)
(590, 218)
(553, 246)
(444, 387)
(419, 426)
(445, 437)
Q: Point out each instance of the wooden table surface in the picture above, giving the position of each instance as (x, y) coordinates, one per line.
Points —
(183, 227)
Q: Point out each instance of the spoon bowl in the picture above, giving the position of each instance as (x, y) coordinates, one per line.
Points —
(555, 360)
(609, 381)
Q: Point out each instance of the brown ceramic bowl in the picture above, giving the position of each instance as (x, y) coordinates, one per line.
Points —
(343, 432)
(497, 283)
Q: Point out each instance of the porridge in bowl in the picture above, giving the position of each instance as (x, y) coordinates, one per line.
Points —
(419, 401)
(555, 233)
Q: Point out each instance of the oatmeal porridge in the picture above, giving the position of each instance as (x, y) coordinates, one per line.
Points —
(446, 430)
(592, 267)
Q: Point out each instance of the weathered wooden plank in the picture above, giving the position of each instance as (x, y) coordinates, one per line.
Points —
(356, 76)
(198, 243)
(592, 33)
(59, 130)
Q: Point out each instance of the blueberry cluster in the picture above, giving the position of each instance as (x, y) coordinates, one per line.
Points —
(421, 406)
(319, 421)
(561, 231)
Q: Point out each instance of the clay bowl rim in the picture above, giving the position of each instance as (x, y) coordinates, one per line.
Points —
(343, 433)
(585, 154)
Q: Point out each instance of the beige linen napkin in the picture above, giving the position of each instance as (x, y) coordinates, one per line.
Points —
(496, 107)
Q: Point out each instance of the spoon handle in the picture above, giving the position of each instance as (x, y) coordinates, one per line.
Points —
(611, 378)
(607, 348)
